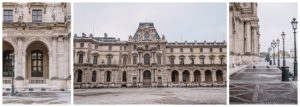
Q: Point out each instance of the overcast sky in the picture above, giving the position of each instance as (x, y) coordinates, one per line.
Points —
(274, 18)
(177, 21)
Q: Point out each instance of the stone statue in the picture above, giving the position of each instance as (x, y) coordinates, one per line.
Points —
(83, 35)
(53, 14)
(163, 37)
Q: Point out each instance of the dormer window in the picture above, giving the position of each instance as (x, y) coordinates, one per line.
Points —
(146, 36)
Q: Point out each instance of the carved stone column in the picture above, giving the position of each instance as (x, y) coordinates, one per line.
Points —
(248, 36)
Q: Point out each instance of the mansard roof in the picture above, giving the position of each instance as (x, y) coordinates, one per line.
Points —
(145, 27)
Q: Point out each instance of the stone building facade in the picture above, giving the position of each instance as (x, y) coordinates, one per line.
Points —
(147, 60)
(36, 46)
(243, 34)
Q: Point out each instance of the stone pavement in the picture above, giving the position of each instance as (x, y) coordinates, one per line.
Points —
(261, 85)
(38, 98)
(199, 95)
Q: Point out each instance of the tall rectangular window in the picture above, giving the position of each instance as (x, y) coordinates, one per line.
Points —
(134, 59)
(8, 16)
(95, 59)
(181, 49)
(201, 49)
(36, 15)
(221, 49)
(210, 49)
(171, 49)
(81, 45)
(158, 59)
(80, 58)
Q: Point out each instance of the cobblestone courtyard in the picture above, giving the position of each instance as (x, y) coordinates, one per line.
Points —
(38, 98)
(203, 95)
(261, 86)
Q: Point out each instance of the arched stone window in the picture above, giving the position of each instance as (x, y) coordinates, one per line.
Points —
(36, 63)
(134, 58)
(124, 59)
(219, 75)
(202, 59)
(186, 76)
(158, 58)
(94, 76)
(107, 76)
(109, 59)
(146, 36)
(79, 76)
(146, 59)
(172, 60)
(208, 76)
(124, 76)
(197, 76)
(8, 59)
(212, 59)
(175, 76)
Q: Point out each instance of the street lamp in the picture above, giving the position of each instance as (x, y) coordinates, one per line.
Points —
(278, 63)
(13, 75)
(273, 45)
(285, 70)
(294, 25)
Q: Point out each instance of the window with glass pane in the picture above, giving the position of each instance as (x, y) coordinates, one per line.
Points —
(147, 59)
(7, 63)
(109, 58)
(158, 59)
(80, 58)
(124, 60)
(36, 63)
(36, 15)
(134, 59)
(94, 75)
(8, 16)
(95, 59)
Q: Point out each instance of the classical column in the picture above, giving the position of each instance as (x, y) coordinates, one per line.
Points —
(140, 57)
(255, 41)
(248, 36)
(214, 78)
(53, 59)
(180, 76)
(191, 77)
(202, 76)
(19, 66)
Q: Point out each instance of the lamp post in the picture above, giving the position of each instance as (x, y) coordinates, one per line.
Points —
(278, 55)
(294, 25)
(273, 45)
(269, 59)
(13, 75)
(285, 70)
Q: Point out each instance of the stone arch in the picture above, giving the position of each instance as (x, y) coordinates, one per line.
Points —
(37, 60)
(175, 76)
(94, 76)
(219, 76)
(147, 78)
(107, 76)
(8, 59)
(186, 76)
(78, 74)
(197, 76)
(124, 76)
(34, 39)
(208, 76)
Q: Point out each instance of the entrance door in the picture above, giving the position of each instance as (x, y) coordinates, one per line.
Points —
(147, 78)
(159, 82)
(134, 81)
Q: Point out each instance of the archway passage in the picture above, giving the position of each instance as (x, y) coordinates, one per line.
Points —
(197, 76)
(219, 75)
(186, 76)
(175, 76)
(8, 59)
(37, 60)
(79, 75)
(208, 77)
(147, 78)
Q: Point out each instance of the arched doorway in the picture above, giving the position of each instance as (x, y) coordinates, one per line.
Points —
(219, 75)
(37, 60)
(197, 76)
(186, 76)
(124, 76)
(175, 76)
(208, 77)
(94, 76)
(8, 59)
(147, 78)
(107, 76)
(79, 75)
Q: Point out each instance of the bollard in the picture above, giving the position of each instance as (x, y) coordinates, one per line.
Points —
(284, 73)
